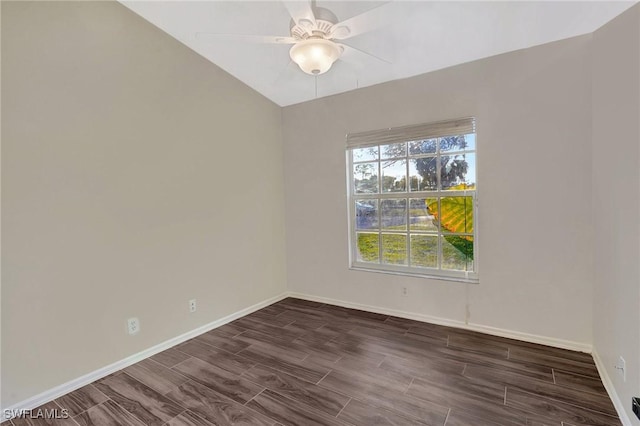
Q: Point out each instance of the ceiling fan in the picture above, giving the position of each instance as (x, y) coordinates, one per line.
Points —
(316, 35)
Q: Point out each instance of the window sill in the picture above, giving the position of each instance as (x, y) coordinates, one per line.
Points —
(416, 275)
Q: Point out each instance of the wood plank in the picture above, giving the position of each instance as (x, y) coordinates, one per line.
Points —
(289, 412)
(439, 382)
(275, 320)
(354, 350)
(422, 368)
(216, 408)
(226, 343)
(531, 422)
(305, 324)
(489, 404)
(399, 337)
(299, 390)
(558, 410)
(273, 310)
(189, 418)
(578, 382)
(228, 330)
(170, 357)
(81, 399)
(363, 369)
(479, 345)
(549, 390)
(520, 367)
(319, 336)
(220, 358)
(146, 404)
(155, 375)
(359, 413)
(293, 301)
(270, 330)
(585, 368)
(283, 348)
(222, 381)
(390, 399)
(306, 371)
(107, 414)
(460, 417)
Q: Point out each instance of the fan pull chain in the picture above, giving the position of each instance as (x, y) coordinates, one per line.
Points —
(316, 86)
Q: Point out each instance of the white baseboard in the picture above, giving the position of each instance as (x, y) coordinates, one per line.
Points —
(531, 338)
(70, 386)
(611, 390)
(379, 310)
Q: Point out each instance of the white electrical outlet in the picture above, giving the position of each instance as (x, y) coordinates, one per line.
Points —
(622, 368)
(192, 305)
(133, 325)
(404, 291)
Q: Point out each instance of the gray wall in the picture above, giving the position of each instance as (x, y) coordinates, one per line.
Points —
(533, 110)
(136, 175)
(616, 200)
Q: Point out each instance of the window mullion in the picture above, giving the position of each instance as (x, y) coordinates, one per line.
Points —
(439, 189)
(379, 208)
(439, 235)
(408, 213)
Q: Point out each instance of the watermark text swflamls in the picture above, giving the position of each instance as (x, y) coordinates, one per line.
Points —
(37, 413)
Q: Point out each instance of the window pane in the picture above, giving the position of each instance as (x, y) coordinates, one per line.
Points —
(470, 142)
(394, 249)
(424, 251)
(454, 143)
(394, 176)
(423, 174)
(458, 172)
(393, 214)
(393, 150)
(365, 178)
(368, 247)
(427, 146)
(457, 253)
(457, 214)
(421, 214)
(365, 154)
(366, 214)
(470, 176)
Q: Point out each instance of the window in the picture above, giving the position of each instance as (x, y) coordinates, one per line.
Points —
(412, 200)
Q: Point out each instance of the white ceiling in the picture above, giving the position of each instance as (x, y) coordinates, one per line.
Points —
(416, 37)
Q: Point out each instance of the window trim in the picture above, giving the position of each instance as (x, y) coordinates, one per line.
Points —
(406, 270)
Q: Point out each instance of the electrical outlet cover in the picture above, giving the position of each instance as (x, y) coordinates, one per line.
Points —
(133, 325)
(622, 368)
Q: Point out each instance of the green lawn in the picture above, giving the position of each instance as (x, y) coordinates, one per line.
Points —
(424, 251)
(451, 214)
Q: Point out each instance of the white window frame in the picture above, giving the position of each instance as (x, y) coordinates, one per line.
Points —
(407, 134)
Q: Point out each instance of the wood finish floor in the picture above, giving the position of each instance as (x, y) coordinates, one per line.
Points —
(305, 363)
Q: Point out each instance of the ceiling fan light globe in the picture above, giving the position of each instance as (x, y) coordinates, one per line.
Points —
(315, 56)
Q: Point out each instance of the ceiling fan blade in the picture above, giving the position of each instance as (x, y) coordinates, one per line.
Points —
(351, 54)
(362, 23)
(247, 38)
(301, 12)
